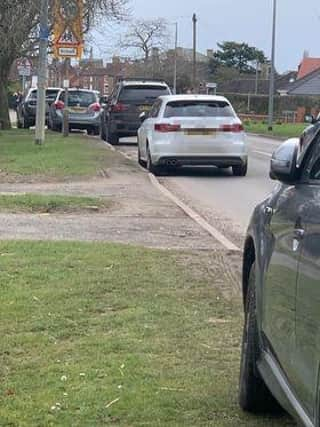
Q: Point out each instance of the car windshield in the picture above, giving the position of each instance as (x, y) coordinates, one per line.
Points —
(198, 109)
(79, 98)
(143, 93)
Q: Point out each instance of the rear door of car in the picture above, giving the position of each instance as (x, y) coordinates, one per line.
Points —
(80, 104)
(307, 358)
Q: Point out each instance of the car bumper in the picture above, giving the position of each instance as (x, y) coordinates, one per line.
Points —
(78, 122)
(220, 154)
(125, 128)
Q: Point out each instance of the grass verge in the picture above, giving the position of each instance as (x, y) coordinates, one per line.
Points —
(58, 159)
(37, 203)
(98, 334)
(282, 131)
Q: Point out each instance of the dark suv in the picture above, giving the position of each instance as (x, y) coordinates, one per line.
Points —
(26, 110)
(281, 288)
(120, 117)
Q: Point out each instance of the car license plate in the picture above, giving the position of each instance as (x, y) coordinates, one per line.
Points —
(77, 110)
(202, 132)
(145, 108)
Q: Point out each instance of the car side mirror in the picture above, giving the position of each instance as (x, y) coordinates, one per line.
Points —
(143, 116)
(284, 161)
(310, 119)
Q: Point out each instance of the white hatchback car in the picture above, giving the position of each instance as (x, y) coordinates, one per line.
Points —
(185, 130)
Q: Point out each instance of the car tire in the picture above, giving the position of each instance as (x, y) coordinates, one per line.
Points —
(103, 134)
(96, 130)
(240, 170)
(155, 170)
(254, 396)
(140, 161)
(25, 123)
(112, 137)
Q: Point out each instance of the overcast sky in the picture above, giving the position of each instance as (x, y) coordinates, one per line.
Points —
(250, 21)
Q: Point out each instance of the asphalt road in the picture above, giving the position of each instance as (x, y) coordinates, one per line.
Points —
(232, 198)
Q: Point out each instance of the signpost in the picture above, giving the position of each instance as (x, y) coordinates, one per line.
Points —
(67, 29)
(68, 41)
(24, 68)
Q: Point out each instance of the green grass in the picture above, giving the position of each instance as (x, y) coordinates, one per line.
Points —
(37, 203)
(98, 334)
(58, 159)
(282, 131)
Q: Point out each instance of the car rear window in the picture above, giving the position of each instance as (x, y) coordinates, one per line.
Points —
(198, 109)
(79, 98)
(51, 95)
(143, 93)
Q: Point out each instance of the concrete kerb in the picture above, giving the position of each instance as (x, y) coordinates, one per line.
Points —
(186, 209)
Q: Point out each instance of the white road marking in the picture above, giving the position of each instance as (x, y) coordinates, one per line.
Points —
(195, 216)
(263, 153)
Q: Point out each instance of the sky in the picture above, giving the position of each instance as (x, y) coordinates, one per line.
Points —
(250, 21)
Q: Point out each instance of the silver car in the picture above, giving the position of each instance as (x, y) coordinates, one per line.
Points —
(84, 111)
(192, 130)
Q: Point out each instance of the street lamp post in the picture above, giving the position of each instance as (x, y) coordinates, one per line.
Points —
(175, 60)
(42, 74)
(272, 71)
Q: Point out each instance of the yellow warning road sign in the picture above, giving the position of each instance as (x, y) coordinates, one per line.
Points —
(68, 28)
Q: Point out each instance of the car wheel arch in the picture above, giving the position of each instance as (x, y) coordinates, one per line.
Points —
(249, 258)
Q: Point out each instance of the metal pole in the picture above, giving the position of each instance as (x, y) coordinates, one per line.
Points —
(23, 84)
(257, 78)
(66, 100)
(272, 72)
(194, 73)
(42, 74)
(175, 60)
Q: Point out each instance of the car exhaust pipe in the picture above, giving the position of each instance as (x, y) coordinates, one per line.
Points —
(172, 162)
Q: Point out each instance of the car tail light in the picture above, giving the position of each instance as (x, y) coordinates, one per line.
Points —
(236, 127)
(166, 127)
(96, 107)
(59, 105)
(118, 108)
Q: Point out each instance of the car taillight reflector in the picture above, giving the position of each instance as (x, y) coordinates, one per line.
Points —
(237, 127)
(59, 105)
(166, 127)
(118, 108)
(95, 107)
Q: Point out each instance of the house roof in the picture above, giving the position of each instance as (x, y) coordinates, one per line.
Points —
(307, 66)
(308, 85)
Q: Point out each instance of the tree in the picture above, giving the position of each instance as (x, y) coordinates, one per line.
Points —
(240, 56)
(144, 35)
(19, 26)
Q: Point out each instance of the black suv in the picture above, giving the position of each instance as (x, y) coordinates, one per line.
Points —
(26, 110)
(120, 116)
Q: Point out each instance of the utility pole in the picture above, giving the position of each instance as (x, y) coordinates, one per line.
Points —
(272, 71)
(175, 60)
(257, 77)
(194, 71)
(42, 74)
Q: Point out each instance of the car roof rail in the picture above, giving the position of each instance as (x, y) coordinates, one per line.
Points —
(142, 79)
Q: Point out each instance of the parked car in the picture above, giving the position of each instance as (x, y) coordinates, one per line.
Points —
(120, 116)
(192, 130)
(84, 110)
(26, 110)
(280, 361)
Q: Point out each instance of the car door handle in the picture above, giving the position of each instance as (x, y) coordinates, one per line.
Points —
(299, 233)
